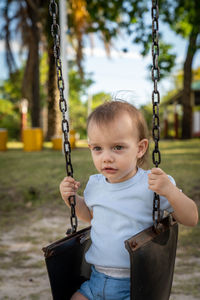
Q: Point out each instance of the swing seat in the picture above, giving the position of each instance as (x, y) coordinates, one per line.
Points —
(152, 258)
(66, 265)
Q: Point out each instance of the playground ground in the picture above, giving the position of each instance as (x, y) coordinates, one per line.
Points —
(33, 215)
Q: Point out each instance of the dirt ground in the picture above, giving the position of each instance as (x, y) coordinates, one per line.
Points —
(22, 269)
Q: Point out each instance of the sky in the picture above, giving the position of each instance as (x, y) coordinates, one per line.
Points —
(122, 71)
(128, 71)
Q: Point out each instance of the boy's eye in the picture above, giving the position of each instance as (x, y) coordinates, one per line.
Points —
(118, 147)
(96, 148)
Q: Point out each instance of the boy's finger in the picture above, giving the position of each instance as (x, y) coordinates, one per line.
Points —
(68, 184)
(68, 188)
(68, 179)
(156, 171)
(152, 176)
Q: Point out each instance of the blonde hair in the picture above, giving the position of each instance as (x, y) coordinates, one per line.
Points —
(109, 111)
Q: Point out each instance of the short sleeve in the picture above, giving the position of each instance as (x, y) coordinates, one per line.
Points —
(90, 190)
(86, 193)
(164, 203)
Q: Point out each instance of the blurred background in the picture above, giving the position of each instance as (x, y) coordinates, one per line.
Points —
(106, 46)
(105, 52)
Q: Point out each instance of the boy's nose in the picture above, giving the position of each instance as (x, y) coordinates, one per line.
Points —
(107, 157)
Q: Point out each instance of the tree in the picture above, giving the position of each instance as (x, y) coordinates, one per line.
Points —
(196, 74)
(10, 89)
(10, 118)
(22, 18)
(10, 93)
(105, 18)
(84, 18)
(54, 116)
(183, 18)
(30, 84)
(99, 99)
(108, 19)
(77, 91)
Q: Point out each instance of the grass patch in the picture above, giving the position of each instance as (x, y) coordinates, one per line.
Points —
(34, 296)
(3, 252)
(189, 240)
(181, 159)
(28, 238)
(187, 266)
(29, 183)
(190, 287)
(37, 265)
(17, 260)
(30, 180)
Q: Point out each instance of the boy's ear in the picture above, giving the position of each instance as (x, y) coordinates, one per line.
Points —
(142, 147)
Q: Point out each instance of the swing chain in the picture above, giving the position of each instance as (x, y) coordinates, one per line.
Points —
(55, 32)
(156, 156)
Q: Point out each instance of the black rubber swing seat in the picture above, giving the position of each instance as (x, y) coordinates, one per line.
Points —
(152, 258)
(66, 265)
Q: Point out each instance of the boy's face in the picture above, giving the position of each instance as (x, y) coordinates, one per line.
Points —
(115, 148)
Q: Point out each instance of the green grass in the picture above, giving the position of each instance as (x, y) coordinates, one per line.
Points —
(35, 176)
(190, 287)
(181, 159)
(31, 179)
(29, 188)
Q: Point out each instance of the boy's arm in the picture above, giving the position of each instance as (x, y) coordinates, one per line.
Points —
(185, 209)
(82, 211)
(69, 187)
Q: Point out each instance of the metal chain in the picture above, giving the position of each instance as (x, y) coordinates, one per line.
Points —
(55, 31)
(156, 156)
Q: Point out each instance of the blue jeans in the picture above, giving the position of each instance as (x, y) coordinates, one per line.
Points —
(104, 287)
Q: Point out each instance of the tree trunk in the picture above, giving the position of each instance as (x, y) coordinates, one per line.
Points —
(54, 114)
(31, 85)
(28, 77)
(35, 113)
(187, 81)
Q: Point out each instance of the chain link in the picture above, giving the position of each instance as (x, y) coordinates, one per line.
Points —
(55, 31)
(156, 156)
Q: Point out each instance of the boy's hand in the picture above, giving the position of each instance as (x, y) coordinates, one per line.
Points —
(68, 187)
(159, 182)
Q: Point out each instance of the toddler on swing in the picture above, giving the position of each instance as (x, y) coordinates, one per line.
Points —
(118, 201)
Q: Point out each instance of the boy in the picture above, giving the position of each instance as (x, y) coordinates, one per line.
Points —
(118, 201)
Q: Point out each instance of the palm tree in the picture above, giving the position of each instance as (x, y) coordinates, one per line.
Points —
(54, 116)
(30, 19)
(24, 22)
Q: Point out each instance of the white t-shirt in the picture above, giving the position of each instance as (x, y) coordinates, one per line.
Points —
(120, 210)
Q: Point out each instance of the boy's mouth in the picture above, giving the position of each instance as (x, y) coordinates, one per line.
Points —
(109, 170)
